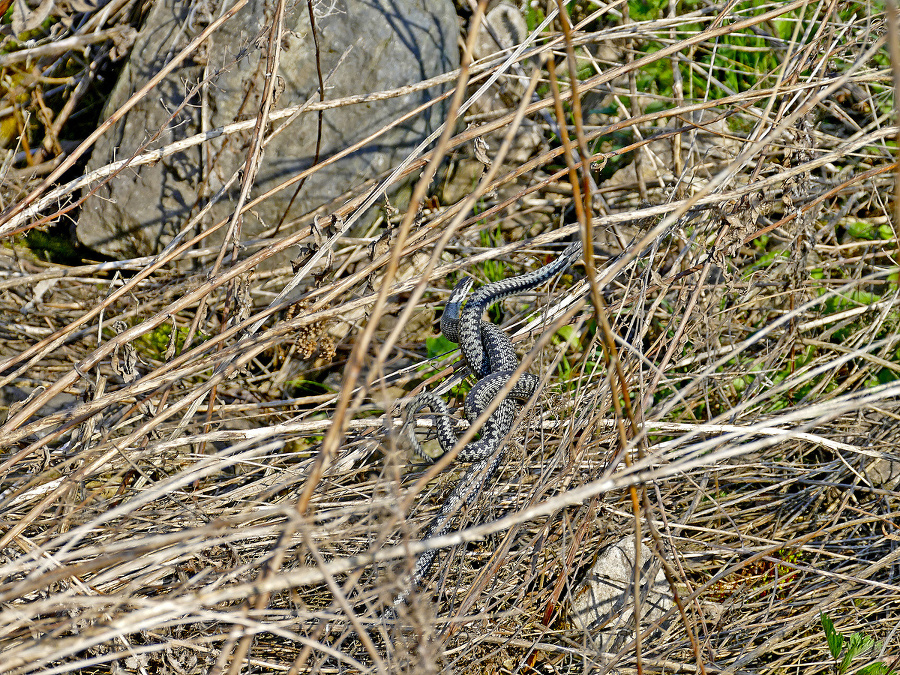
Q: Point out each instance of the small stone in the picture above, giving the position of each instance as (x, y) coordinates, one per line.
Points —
(503, 22)
(606, 596)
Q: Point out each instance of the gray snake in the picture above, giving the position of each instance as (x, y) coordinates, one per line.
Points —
(489, 354)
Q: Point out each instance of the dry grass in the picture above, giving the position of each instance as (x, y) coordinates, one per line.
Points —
(727, 388)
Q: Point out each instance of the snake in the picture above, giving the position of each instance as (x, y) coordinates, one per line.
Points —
(471, 341)
(489, 354)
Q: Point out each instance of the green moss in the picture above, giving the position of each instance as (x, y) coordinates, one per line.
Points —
(54, 245)
(155, 343)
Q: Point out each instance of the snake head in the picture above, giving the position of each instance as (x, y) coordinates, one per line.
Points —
(450, 317)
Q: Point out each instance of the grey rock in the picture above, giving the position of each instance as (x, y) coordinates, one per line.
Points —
(604, 602)
(14, 396)
(884, 472)
(392, 43)
(503, 29)
(503, 23)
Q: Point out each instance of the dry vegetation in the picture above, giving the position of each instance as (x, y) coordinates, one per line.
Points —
(206, 478)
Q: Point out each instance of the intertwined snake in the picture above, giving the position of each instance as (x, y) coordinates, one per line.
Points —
(490, 356)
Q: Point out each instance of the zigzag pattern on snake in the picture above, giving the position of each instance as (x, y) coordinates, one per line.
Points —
(489, 354)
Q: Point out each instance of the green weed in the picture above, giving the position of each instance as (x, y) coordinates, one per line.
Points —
(154, 344)
(845, 649)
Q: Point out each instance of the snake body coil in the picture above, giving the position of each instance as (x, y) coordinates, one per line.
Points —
(490, 356)
(470, 335)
